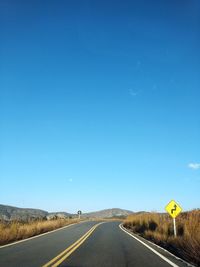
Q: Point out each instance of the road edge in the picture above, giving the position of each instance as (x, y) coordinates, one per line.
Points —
(153, 250)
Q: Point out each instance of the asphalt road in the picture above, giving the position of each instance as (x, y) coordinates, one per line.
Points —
(105, 245)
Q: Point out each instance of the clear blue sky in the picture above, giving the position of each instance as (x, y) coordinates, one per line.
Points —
(99, 104)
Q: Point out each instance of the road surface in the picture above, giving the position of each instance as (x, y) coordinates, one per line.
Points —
(87, 244)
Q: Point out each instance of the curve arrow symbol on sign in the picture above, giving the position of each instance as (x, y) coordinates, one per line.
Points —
(174, 209)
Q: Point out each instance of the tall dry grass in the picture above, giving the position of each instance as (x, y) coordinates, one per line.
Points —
(159, 229)
(13, 231)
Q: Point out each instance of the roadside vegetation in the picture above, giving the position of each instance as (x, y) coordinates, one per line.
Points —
(158, 228)
(14, 231)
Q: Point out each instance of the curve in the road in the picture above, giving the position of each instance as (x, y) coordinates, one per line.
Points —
(86, 245)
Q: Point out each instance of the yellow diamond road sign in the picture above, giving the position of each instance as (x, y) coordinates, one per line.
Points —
(173, 208)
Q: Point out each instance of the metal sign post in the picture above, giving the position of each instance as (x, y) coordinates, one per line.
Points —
(174, 210)
(174, 222)
(79, 214)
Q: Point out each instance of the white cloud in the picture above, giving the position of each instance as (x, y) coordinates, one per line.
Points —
(70, 180)
(194, 166)
(132, 92)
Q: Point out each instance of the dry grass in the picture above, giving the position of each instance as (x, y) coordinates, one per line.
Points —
(159, 229)
(10, 232)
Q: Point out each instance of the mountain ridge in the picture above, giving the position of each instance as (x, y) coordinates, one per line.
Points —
(10, 213)
(108, 213)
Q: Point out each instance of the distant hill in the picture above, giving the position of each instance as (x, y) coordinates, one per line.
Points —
(9, 213)
(108, 213)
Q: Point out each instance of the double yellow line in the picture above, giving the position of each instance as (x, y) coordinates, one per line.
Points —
(68, 251)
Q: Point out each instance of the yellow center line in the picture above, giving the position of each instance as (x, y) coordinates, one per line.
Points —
(68, 251)
(74, 248)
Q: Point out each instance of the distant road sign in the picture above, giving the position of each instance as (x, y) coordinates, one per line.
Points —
(79, 212)
(173, 208)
